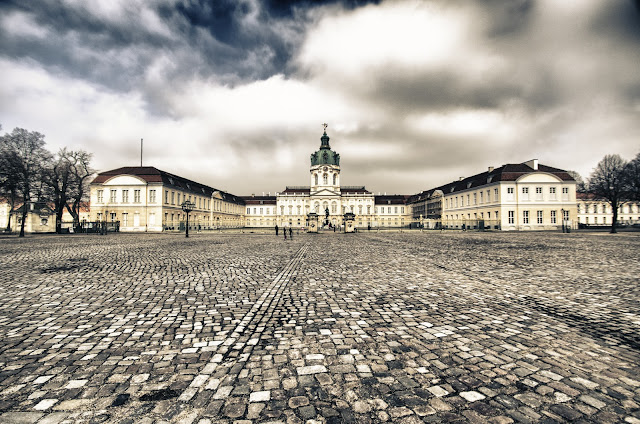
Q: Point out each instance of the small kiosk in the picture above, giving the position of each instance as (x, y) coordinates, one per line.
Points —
(312, 223)
(349, 222)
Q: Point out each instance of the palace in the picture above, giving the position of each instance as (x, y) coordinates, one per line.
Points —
(523, 196)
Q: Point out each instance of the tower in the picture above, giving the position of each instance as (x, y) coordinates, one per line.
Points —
(325, 167)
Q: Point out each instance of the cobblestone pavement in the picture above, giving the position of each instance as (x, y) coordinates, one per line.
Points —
(361, 328)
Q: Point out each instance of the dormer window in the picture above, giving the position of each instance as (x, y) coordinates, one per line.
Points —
(489, 179)
(468, 185)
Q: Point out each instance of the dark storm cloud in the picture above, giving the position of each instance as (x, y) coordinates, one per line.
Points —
(228, 40)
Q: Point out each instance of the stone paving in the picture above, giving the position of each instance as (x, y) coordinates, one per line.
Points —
(406, 327)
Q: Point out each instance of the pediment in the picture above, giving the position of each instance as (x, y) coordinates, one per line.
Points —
(325, 193)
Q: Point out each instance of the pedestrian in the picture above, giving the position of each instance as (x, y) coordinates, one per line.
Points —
(291, 233)
(276, 229)
(368, 227)
(284, 231)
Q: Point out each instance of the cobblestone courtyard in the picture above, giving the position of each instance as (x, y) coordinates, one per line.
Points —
(382, 327)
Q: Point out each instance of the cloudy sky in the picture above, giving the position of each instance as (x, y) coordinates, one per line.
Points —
(232, 93)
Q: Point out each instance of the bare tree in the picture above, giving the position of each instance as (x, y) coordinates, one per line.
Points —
(608, 182)
(8, 180)
(79, 191)
(581, 185)
(633, 178)
(24, 157)
(57, 177)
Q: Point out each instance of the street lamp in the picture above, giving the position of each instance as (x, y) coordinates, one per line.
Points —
(187, 206)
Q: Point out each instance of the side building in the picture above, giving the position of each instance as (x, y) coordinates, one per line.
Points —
(148, 199)
(594, 212)
(524, 196)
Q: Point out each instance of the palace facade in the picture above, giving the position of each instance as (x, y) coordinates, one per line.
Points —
(326, 197)
(522, 196)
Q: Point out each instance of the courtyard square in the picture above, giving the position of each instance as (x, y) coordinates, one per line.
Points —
(398, 327)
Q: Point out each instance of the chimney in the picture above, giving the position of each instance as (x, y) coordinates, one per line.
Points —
(461, 178)
(491, 169)
(533, 163)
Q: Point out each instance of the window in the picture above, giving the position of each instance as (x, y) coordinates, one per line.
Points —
(511, 217)
(395, 209)
(495, 194)
(510, 192)
(136, 196)
(368, 210)
(335, 178)
(173, 199)
(539, 217)
(100, 194)
(525, 193)
(475, 199)
(248, 211)
(482, 196)
(315, 176)
(325, 179)
(125, 219)
(538, 193)
(152, 196)
(525, 217)
(112, 197)
(552, 193)
(389, 209)
(166, 197)
(553, 217)
(125, 196)
(565, 193)
(565, 215)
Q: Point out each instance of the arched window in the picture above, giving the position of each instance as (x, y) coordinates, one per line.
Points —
(316, 178)
(325, 179)
(335, 178)
(316, 207)
(334, 207)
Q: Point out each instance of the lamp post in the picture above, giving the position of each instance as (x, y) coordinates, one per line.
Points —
(187, 207)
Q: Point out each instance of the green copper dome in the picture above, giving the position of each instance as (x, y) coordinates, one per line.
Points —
(325, 156)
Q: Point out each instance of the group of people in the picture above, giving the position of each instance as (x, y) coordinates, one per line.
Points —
(284, 232)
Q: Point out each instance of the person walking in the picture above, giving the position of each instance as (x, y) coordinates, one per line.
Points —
(276, 229)
(284, 231)
(291, 233)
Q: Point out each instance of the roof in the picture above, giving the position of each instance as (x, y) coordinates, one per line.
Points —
(508, 172)
(391, 199)
(427, 194)
(354, 190)
(296, 190)
(259, 200)
(151, 174)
